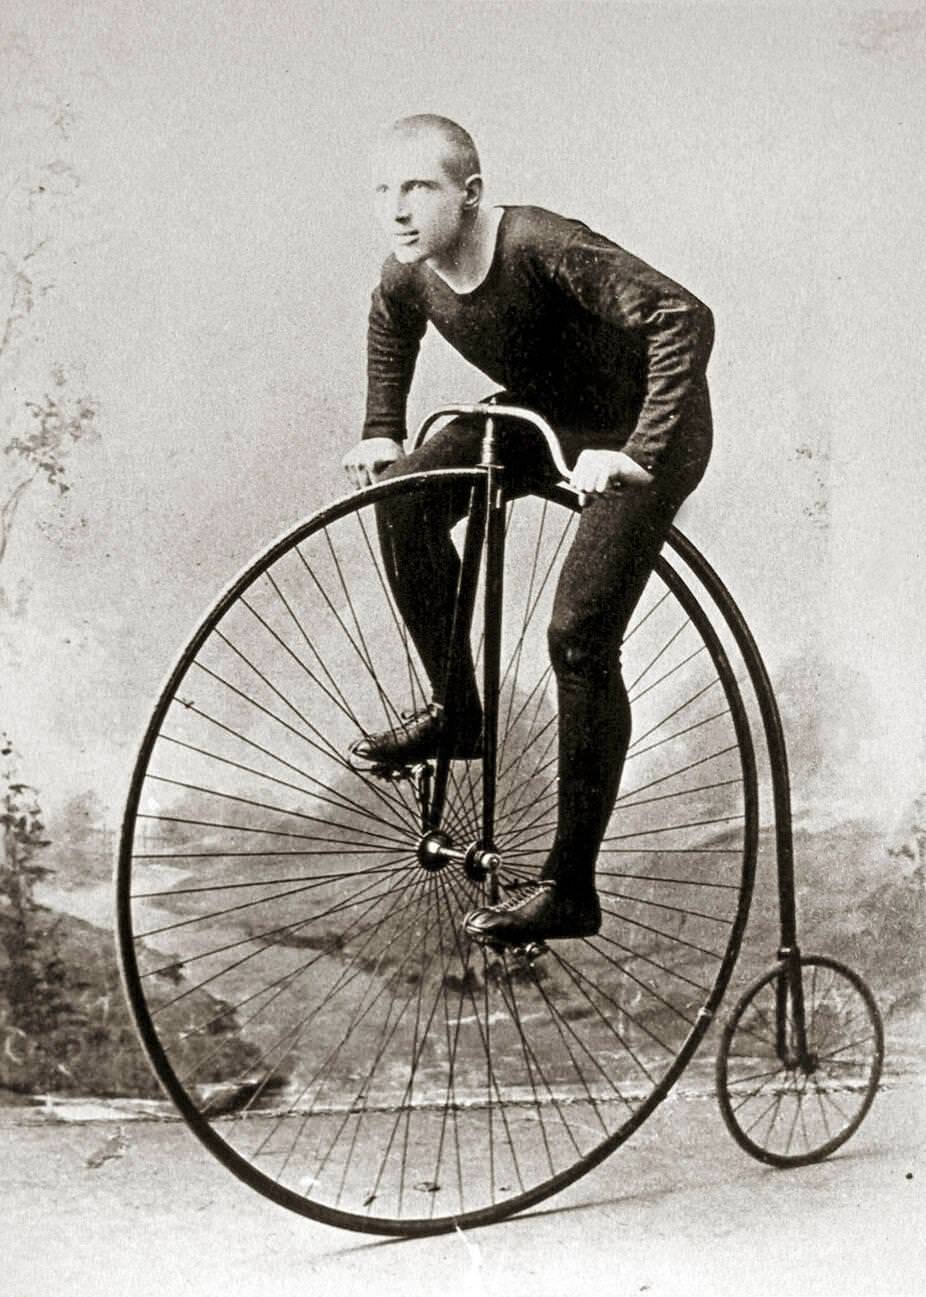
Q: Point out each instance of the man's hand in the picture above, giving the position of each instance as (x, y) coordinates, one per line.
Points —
(599, 471)
(369, 458)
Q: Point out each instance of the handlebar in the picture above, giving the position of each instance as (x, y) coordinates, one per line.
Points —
(491, 411)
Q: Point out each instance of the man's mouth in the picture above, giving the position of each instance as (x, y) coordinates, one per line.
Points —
(407, 236)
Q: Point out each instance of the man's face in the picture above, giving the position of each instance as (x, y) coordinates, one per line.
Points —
(417, 203)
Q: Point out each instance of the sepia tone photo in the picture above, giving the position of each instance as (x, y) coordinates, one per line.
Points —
(463, 761)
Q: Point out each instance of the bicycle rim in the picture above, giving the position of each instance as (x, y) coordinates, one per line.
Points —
(301, 983)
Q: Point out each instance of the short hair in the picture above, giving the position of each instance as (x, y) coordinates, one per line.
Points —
(461, 159)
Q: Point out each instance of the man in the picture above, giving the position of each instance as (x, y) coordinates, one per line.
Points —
(613, 354)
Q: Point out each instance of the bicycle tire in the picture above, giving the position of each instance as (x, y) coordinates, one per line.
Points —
(533, 1073)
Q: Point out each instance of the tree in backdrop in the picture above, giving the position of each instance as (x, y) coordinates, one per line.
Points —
(44, 414)
(37, 1003)
(44, 417)
(39, 450)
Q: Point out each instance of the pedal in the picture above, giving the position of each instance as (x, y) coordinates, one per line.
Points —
(389, 774)
(529, 952)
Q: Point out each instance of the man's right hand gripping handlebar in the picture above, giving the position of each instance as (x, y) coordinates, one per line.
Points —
(366, 461)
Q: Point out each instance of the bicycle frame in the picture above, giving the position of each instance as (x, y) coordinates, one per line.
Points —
(485, 533)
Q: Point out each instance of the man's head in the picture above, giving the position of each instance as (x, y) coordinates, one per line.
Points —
(427, 186)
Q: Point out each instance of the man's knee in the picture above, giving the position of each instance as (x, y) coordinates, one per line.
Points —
(412, 517)
(578, 648)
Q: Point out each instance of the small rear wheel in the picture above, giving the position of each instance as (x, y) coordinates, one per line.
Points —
(788, 1111)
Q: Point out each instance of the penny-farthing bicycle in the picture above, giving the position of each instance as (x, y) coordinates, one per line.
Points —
(290, 924)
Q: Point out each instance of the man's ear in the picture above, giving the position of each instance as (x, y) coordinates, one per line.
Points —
(472, 188)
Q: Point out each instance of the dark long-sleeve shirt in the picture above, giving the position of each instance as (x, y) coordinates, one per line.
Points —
(612, 352)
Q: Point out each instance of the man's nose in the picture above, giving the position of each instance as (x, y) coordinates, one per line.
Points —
(400, 211)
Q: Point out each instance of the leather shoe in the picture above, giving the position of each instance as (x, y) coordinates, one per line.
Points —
(417, 738)
(540, 911)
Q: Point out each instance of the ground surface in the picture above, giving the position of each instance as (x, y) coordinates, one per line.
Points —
(100, 1205)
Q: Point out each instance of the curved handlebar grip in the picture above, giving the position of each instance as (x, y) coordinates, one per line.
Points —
(500, 411)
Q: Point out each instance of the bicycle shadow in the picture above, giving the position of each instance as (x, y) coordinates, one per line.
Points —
(640, 1198)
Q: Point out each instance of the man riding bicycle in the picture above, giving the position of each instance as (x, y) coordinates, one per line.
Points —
(614, 355)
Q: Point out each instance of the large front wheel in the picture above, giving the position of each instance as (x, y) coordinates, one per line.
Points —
(294, 957)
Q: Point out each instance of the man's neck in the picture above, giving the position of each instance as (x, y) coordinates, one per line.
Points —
(467, 265)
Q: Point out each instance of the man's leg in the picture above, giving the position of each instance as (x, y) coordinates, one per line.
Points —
(616, 546)
(617, 541)
(422, 563)
(423, 569)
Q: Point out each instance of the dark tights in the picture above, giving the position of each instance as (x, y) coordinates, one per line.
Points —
(616, 544)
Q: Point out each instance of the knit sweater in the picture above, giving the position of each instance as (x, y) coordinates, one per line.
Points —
(612, 352)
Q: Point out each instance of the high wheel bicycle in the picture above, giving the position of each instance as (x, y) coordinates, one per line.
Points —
(289, 922)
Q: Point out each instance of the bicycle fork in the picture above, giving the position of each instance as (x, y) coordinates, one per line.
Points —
(485, 538)
(790, 1018)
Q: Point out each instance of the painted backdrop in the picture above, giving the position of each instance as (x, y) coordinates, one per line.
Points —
(188, 248)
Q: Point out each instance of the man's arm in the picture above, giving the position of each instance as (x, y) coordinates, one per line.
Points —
(394, 335)
(674, 331)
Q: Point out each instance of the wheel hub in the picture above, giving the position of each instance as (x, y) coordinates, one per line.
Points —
(436, 850)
